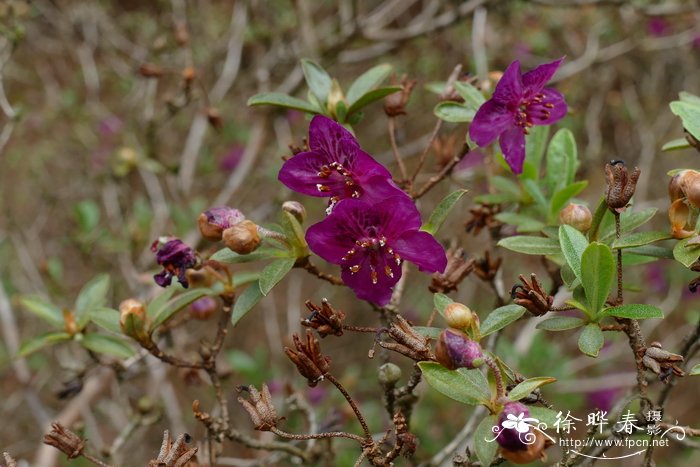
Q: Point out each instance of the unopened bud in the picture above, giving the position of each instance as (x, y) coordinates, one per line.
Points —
(203, 308)
(577, 216)
(132, 319)
(243, 238)
(458, 316)
(214, 221)
(456, 350)
(690, 186)
(296, 209)
(388, 374)
(335, 97)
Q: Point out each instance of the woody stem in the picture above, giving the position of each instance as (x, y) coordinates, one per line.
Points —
(358, 414)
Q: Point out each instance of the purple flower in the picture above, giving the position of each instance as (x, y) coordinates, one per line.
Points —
(370, 242)
(231, 160)
(335, 167)
(175, 257)
(519, 102)
(456, 350)
(514, 421)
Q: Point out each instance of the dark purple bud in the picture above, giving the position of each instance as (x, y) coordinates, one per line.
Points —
(510, 438)
(175, 257)
(456, 350)
(214, 221)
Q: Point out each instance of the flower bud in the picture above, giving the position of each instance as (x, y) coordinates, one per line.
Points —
(519, 442)
(203, 308)
(458, 316)
(456, 350)
(388, 374)
(214, 221)
(243, 238)
(690, 186)
(577, 216)
(133, 319)
(296, 209)
(509, 438)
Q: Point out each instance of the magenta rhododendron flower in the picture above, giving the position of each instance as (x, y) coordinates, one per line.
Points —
(335, 167)
(176, 257)
(370, 242)
(519, 102)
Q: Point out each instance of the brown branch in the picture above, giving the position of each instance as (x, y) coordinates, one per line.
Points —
(447, 170)
(351, 402)
(313, 269)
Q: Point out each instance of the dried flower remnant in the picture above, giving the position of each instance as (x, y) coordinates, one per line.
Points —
(482, 216)
(370, 243)
(486, 268)
(260, 408)
(456, 350)
(458, 267)
(520, 101)
(308, 359)
(214, 221)
(65, 441)
(175, 257)
(175, 453)
(325, 319)
(408, 341)
(620, 185)
(335, 167)
(662, 362)
(531, 296)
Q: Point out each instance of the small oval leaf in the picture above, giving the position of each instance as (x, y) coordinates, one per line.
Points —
(463, 386)
(561, 323)
(275, 272)
(245, 302)
(105, 344)
(591, 340)
(500, 318)
(634, 311)
(524, 388)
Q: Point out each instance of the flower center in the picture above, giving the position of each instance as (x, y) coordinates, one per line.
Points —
(373, 252)
(531, 107)
(339, 179)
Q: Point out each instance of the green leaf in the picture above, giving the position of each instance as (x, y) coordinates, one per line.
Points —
(163, 313)
(244, 277)
(561, 160)
(591, 340)
(535, 144)
(472, 96)
(653, 251)
(573, 243)
(484, 447)
(87, 213)
(598, 217)
(533, 189)
(676, 144)
(523, 222)
(437, 218)
(92, 295)
(688, 97)
(275, 272)
(524, 388)
(432, 333)
(634, 311)
(639, 239)
(453, 112)
(111, 345)
(106, 318)
(44, 310)
(543, 414)
(440, 302)
(245, 302)
(160, 301)
(689, 112)
(372, 96)
(628, 221)
(462, 385)
(496, 198)
(264, 252)
(686, 254)
(367, 81)
(597, 272)
(295, 234)
(318, 80)
(562, 196)
(531, 245)
(279, 99)
(695, 371)
(500, 318)
(39, 342)
(560, 323)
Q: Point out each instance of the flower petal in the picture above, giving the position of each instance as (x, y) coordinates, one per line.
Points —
(379, 189)
(512, 144)
(327, 135)
(490, 121)
(509, 88)
(365, 166)
(554, 113)
(334, 236)
(361, 281)
(300, 173)
(421, 249)
(398, 214)
(537, 78)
